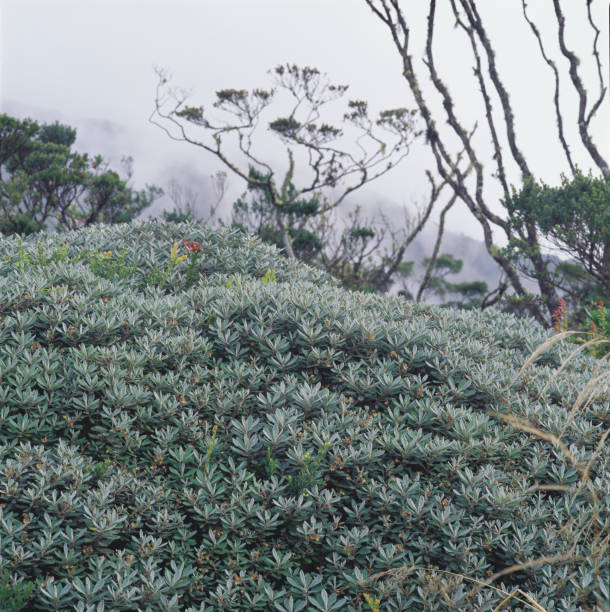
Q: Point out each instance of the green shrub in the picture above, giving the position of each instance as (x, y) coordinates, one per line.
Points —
(14, 597)
(248, 436)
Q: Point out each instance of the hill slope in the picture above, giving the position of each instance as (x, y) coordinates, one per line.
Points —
(266, 440)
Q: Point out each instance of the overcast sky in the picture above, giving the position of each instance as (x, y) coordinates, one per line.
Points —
(89, 64)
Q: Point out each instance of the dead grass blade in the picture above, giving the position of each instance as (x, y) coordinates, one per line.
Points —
(567, 360)
(512, 595)
(400, 574)
(583, 398)
(528, 427)
(597, 451)
(521, 566)
(543, 347)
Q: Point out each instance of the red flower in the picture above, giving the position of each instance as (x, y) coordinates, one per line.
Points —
(559, 316)
(192, 246)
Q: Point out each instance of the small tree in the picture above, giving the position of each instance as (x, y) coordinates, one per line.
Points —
(255, 213)
(467, 295)
(332, 165)
(574, 217)
(363, 254)
(41, 178)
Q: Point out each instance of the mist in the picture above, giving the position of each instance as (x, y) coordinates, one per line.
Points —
(92, 66)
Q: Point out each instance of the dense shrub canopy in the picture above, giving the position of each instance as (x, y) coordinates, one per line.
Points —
(263, 439)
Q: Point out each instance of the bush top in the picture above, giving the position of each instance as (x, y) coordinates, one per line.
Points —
(247, 435)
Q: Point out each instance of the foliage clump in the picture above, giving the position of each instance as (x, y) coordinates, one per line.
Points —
(42, 180)
(246, 435)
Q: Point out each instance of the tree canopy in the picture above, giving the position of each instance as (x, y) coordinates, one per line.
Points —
(42, 179)
(307, 137)
(574, 217)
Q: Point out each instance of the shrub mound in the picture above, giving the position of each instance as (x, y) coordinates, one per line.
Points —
(230, 430)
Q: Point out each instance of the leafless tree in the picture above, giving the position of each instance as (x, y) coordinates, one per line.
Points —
(400, 21)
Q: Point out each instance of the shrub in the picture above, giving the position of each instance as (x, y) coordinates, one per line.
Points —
(13, 597)
(246, 435)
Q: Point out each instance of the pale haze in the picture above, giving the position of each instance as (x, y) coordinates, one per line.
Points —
(89, 64)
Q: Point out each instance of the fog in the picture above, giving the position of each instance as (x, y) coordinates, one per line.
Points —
(91, 65)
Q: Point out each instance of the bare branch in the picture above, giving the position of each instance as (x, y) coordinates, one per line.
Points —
(509, 118)
(583, 122)
(602, 86)
(553, 67)
(435, 251)
(395, 16)
(488, 108)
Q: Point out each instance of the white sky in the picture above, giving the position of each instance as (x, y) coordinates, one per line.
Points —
(89, 64)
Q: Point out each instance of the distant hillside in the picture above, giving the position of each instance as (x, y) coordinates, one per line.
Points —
(478, 263)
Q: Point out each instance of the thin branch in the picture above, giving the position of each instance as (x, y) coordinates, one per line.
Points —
(602, 86)
(583, 125)
(553, 67)
(509, 118)
(494, 296)
(435, 251)
(488, 108)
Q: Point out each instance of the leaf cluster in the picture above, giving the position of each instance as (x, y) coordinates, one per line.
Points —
(575, 216)
(42, 179)
(175, 448)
